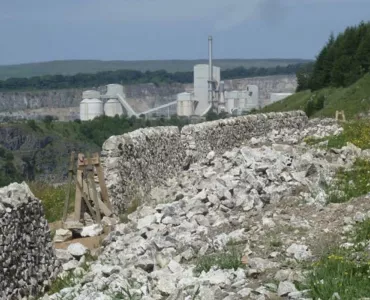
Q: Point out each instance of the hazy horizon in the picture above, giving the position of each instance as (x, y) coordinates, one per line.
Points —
(134, 60)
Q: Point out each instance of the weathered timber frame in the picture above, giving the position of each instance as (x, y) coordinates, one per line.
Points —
(340, 113)
(86, 198)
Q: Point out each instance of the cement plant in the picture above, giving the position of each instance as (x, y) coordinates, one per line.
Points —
(208, 95)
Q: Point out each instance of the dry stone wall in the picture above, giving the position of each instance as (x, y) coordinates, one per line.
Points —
(223, 135)
(27, 258)
(137, 161)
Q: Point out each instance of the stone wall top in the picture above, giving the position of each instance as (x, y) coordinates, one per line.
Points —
(15, 195)
(225, 134)
(27, 257)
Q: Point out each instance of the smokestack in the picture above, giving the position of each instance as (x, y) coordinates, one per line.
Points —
(210, 70)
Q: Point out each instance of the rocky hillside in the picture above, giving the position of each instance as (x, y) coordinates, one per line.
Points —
(141, 96)
(248, 224)
(38, 152)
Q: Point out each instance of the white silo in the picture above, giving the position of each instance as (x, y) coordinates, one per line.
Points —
(91, 106)
(185, 104)
(114, 89)
(83, 110)
(94, 108)
(201, 86)
(90, 94)
(180, 109)
(113, 107)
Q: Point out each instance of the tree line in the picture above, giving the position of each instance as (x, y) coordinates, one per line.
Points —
(83, 80)
(342, 61)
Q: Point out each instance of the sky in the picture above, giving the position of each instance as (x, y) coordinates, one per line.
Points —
(44, 30)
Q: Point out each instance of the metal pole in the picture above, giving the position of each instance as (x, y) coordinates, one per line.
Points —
(210, 71)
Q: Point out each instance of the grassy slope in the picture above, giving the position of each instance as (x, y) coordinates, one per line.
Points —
(353, 100)
(69, 67)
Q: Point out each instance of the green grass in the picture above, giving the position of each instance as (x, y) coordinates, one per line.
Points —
(228, 259)
(353, 100)
(71, 67)
(362, 232)
(125, 294)
(276, 243)
(356, 132)
(342, 271)
(52, 199)
(350, 183)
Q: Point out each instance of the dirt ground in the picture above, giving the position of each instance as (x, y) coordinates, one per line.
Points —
(89, 242)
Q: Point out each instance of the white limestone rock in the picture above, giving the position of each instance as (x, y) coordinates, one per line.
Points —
(77, 250)
(62, 235)
(92, 230)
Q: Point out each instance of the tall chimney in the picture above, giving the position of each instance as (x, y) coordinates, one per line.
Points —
(210, 71)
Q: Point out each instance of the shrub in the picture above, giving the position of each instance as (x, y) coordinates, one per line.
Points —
(231, 259)
(356, 132)
(339, 273)
(350, 183)
(32, 124)
(362, 232)
(9, 156)
(52, 198)
(343, 271)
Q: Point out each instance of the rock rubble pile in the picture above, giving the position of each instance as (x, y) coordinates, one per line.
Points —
(232, 226)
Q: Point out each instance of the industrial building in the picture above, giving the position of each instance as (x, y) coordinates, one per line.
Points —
(93, 104)
(208, 95)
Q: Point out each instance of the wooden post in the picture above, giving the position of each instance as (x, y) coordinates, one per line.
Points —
(103, 187)
(79, 187)
(86, 197)
(91, 186)
(339, 113)
(70, 177)
(343, 116)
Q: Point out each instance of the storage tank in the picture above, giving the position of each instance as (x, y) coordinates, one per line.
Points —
(83, 110)
(90, 109)
(90, 106)
(185, 104)
(201, 85)
(90, 94)
(188, 108)
(114, 89)
(113, 107)
(180, 108)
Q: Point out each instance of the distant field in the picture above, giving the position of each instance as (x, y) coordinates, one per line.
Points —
(70, 67)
